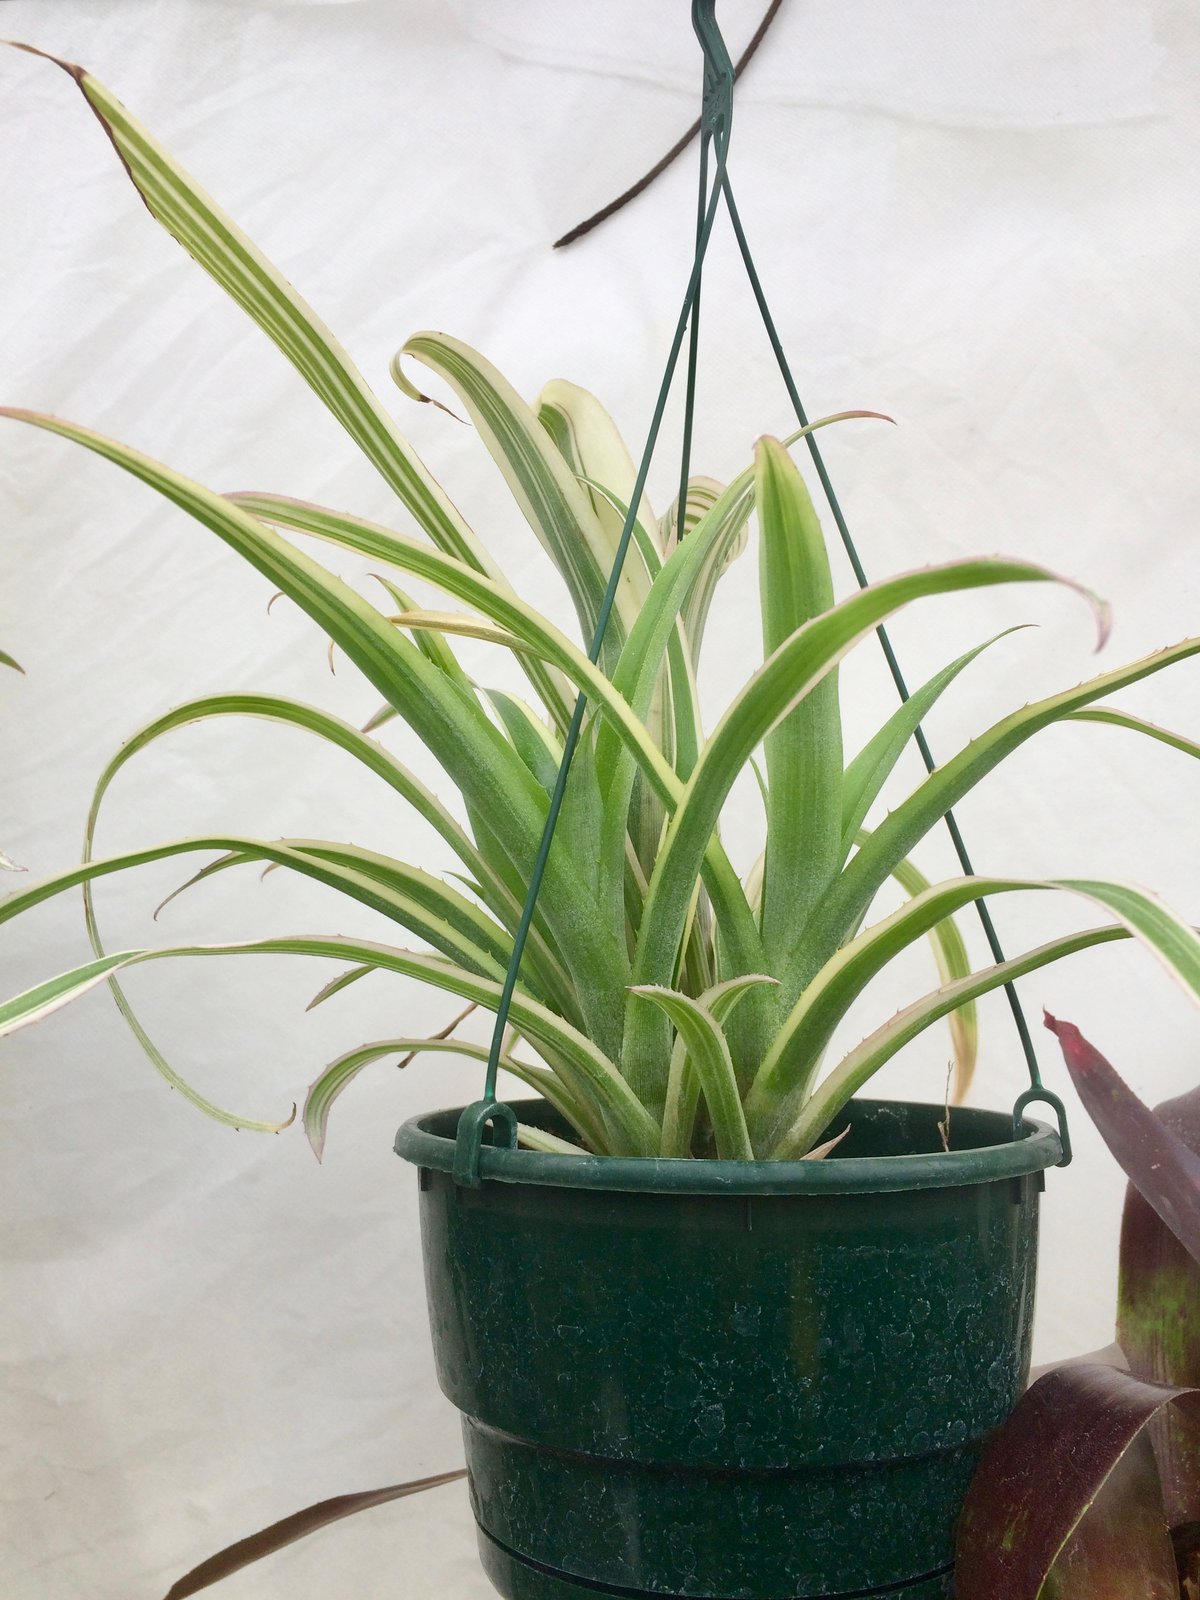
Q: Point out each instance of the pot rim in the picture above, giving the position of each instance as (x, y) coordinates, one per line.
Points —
(989, 1161)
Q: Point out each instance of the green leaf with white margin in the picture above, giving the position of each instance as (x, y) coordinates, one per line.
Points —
(708, 1051)
(784, 1080)
(590, 443)
(631, 812)
(857, 1067)
(554, 504)
(339, 1074)
(449, 722)
(208, 234)
(903, 828)
(497, 604)
(785, 1074)
(336, 985)
(579, 820)
(780, 684)
(431, 643)
(702, 495)
(504, 906)
(869, 771)
(804, 748)
(953, 962)
(1143, 916)
(1122, 719)
(729, 901)
(549, 1144)
(584, 1069)
(438, 623)
(950, 954)
(641, 661)
(583, 819)
(683, 1093)
(418, 901)
(656, 630)
(35, 1004)
(211, 238)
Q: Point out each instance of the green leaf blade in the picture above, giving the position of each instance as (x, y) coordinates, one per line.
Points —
(804, 749)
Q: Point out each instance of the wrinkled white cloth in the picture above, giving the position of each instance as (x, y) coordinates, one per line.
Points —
(981, 220)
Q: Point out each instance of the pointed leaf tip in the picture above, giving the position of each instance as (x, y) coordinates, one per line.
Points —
(76, 72)
(301, 1523)
(1155, 1159)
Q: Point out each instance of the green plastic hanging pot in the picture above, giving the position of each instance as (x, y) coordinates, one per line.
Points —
(732, 1380)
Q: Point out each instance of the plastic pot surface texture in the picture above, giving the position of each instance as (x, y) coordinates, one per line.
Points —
(732, 1380)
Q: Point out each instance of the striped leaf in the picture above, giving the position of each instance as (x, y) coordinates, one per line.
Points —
(452, 725)
(683, 1090)
(708, 1052)
(582, 1066)
(794, 668)
(339, 1074)
(368, 538)
(589, 442)
(871, 767)
(1144, 917)
(902, 830)
(553, 502)
(212, 238)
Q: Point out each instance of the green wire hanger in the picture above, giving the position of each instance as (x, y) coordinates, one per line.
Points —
(716, 119)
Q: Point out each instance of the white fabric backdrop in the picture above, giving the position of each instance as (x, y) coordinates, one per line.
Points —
(982, 220)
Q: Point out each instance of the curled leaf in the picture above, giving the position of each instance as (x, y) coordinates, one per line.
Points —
(1042, 1472)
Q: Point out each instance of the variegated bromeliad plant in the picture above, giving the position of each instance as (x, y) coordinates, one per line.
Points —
(674, 1009)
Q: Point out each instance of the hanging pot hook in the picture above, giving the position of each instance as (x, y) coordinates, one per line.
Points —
(717, 110)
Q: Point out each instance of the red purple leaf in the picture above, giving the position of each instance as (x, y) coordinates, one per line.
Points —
(264, 1543)
(1042, 1472)
(1158, 1320)
(1155, 1159)
(1121, 1548)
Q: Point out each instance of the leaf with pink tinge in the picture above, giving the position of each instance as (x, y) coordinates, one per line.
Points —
(1044, 1470)
(1157, 1160)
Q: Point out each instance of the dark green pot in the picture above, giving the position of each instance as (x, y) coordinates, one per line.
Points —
(732, 1380)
